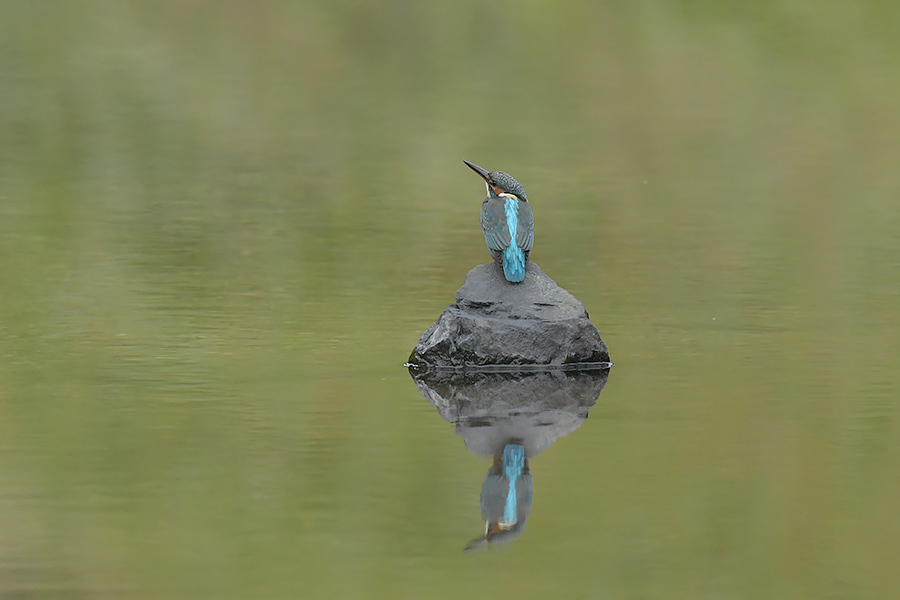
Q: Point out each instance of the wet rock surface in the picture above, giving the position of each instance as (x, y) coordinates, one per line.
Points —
(497, 323)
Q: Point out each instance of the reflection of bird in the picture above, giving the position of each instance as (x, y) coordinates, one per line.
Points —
(506, 221)
(505, 496)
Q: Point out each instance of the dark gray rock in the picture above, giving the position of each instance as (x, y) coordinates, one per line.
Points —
(495, 322)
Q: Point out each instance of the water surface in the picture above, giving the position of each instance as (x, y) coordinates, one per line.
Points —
(224, 227)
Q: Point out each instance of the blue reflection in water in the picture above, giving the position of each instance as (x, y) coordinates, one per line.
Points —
(513, 464)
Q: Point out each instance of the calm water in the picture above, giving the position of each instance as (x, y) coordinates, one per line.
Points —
(224, 227)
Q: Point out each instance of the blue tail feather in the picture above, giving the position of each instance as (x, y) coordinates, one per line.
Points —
(514, 263)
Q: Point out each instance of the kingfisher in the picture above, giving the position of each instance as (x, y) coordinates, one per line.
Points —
(506, 221)
(505, 496)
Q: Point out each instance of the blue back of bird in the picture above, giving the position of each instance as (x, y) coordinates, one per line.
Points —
(508, 227)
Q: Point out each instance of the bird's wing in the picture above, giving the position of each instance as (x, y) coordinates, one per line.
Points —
(493, 224)
(525, 228)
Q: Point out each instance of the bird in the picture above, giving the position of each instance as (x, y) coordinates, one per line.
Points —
(505, 496)
(506, 221)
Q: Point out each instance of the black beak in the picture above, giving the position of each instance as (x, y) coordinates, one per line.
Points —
(484, 174)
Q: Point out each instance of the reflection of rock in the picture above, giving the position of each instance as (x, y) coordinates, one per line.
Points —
(489, 409)
(494, 322)
(512, 417)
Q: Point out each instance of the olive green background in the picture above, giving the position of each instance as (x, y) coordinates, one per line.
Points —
(224, 225)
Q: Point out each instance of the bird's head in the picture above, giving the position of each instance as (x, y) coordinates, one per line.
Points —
(499, 184)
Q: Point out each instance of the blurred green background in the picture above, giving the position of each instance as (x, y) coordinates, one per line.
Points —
(224, 225)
